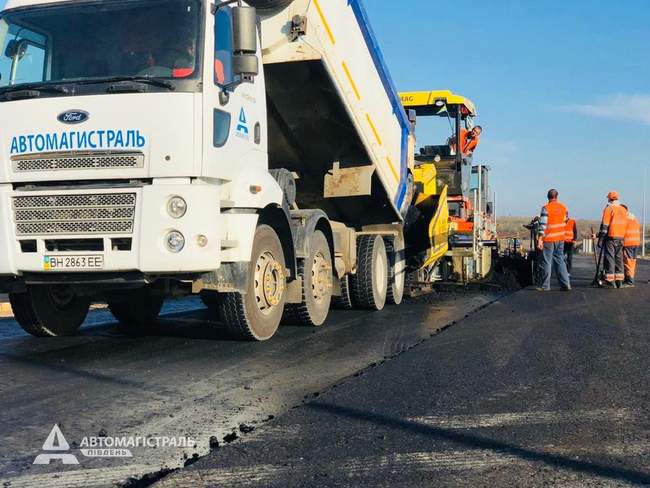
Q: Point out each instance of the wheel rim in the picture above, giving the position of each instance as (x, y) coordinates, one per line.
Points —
(380, 272)
(321, 278)
(269, 282)
(399, 277)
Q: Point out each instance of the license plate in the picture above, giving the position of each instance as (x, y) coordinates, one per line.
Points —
(70, 262)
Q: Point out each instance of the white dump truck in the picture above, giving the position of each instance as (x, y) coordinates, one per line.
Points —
(255, 153)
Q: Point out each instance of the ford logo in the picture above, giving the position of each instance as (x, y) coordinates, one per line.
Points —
(73, 117)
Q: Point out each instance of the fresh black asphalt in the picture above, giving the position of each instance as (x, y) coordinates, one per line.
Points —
(538, 389)
(182, 376)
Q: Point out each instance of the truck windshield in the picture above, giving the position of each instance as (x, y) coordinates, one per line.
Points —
(80, 42)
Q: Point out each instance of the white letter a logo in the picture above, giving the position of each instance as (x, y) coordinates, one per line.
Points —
(56, 442)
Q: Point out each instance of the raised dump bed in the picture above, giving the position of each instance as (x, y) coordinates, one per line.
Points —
(331, 100)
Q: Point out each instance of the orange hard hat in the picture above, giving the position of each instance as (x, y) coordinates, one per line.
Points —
(612, 195)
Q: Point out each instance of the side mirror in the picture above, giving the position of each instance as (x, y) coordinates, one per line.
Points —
(16, 49)
(245, 61)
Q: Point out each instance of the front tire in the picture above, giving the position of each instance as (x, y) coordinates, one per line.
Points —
(370, 284)
(49, 311)
(256, 315)
(316, 273)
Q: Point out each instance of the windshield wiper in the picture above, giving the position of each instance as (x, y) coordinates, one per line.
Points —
(136, 79)
(31, 90)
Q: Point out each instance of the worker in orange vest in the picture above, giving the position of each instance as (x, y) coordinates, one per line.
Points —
(553, 220)
(469, 140)
(570, 238)
(631, 244)
(611, 236)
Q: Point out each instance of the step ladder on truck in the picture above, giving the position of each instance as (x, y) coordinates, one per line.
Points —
(255, 153)
(458, 193)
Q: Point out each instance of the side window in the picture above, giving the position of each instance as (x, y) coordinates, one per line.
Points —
(23, 56)
(223, 46)
(30, 67)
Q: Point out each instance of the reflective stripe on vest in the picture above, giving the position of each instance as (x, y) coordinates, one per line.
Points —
(632, 232)
(556, 225)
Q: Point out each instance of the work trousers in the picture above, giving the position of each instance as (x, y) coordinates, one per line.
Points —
(629, 259)
(553, 258)
(568, 255)
(614, 266)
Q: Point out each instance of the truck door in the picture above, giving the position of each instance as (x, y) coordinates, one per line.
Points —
(234, 118)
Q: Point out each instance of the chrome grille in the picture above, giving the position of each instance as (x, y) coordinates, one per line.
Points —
(89, 200)
(101, 213)
(76, 160)
(108, 213)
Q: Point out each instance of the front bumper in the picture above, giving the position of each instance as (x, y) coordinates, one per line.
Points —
(146, 252)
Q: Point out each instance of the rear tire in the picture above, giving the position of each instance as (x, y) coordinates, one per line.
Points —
(256, 315)
(370, 284)
(136, 307)
(316, 273)
(49, 311)
(396, 270)
(268, 4)
(344, 301)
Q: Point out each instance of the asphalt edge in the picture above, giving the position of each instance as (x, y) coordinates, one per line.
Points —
(149, 479)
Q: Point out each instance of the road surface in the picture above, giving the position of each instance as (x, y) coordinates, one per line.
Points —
(180, 380)
(539, 389)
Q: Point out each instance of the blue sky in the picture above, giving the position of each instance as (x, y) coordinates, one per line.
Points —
(562, 89)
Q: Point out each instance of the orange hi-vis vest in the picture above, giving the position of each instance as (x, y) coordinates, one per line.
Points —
(615, 221)
(632, 232)
(570, 231)
(556, 224)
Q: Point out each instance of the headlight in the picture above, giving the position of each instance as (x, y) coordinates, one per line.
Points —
(174, 241)
(176, 207)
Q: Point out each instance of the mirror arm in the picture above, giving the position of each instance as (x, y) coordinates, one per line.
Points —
(225, 90)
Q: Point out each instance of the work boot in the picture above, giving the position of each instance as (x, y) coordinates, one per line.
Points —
(619, 284)
(609, 284)
(566, 288)
(627, 284)
(541, 288)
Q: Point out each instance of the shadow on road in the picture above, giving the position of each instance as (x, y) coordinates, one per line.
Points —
(477, 442)
(56, 366)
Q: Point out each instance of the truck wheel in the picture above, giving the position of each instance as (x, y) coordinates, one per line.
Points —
(49, 311)
(256, 315)
(396, 270)
(135, 307)
(210, 299)
(268, 4)
(369, 285)
(316, 273)
(344, 302)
